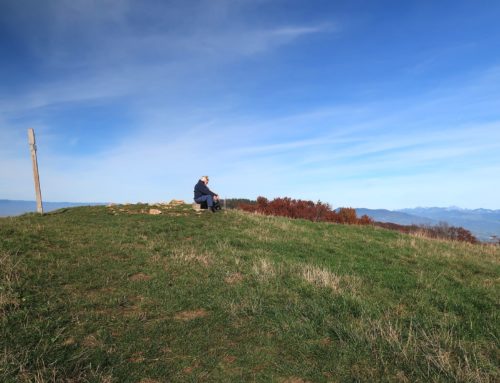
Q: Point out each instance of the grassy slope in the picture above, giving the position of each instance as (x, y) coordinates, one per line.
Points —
(109, 294)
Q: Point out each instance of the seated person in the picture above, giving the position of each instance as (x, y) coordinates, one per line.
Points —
(203, 194)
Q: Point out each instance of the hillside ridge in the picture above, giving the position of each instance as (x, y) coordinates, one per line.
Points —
(112, 293)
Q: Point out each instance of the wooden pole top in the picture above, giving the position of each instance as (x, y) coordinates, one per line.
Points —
(31, 136)
(38, 192)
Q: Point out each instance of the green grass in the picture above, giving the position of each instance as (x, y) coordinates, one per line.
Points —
(112, 294)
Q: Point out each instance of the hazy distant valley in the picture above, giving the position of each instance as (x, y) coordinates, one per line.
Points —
(482, 223)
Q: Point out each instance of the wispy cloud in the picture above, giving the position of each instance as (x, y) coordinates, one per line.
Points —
(355, 147)
(249, 42)
(94, 50)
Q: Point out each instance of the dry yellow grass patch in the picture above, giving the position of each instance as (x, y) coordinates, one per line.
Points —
(440, 348)
(491, 283)
(325, 278)
(418, 234)
(190, 315)
(234, 278)
(264, 269)
(321, 277)
(442, 356)
(236, 308)
(68, 342)
(406, 241)
(91, 341)
(191, 254)
(156, 259)
(388, 331)
(8, 299)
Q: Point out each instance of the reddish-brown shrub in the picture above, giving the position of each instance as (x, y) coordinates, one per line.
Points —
(262, 203)
(313, 211)
(365, 220)
(347, 215)
(234, 203)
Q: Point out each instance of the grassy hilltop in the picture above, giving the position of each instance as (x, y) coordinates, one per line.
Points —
(113, 294)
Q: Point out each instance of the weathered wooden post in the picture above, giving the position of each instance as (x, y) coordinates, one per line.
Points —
(31, 138)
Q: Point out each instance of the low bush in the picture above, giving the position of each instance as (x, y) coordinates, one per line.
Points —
(234, 203)
(312, 211)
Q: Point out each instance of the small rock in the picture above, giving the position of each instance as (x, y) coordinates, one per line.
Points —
(154, 211)
(196, 206)
(177, 202)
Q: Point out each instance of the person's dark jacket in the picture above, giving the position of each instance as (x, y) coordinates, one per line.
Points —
(201, 189)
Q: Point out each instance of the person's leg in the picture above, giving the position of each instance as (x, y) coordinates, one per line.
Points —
(217, 205)
(210, 202)
(206, 198)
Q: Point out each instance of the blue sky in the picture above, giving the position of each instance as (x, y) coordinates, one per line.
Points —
(378, 104)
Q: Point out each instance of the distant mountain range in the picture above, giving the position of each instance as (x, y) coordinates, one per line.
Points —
(12, 207)
(482, 223)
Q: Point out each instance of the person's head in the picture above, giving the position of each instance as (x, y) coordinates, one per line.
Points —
(204, 179)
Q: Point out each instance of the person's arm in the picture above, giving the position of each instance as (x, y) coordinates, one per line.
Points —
(205, 190)
(215, 195)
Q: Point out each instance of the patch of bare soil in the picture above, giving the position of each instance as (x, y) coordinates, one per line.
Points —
(190, 315)
(140, 277)
(190, 369)
(325, 341)
(229, 359)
